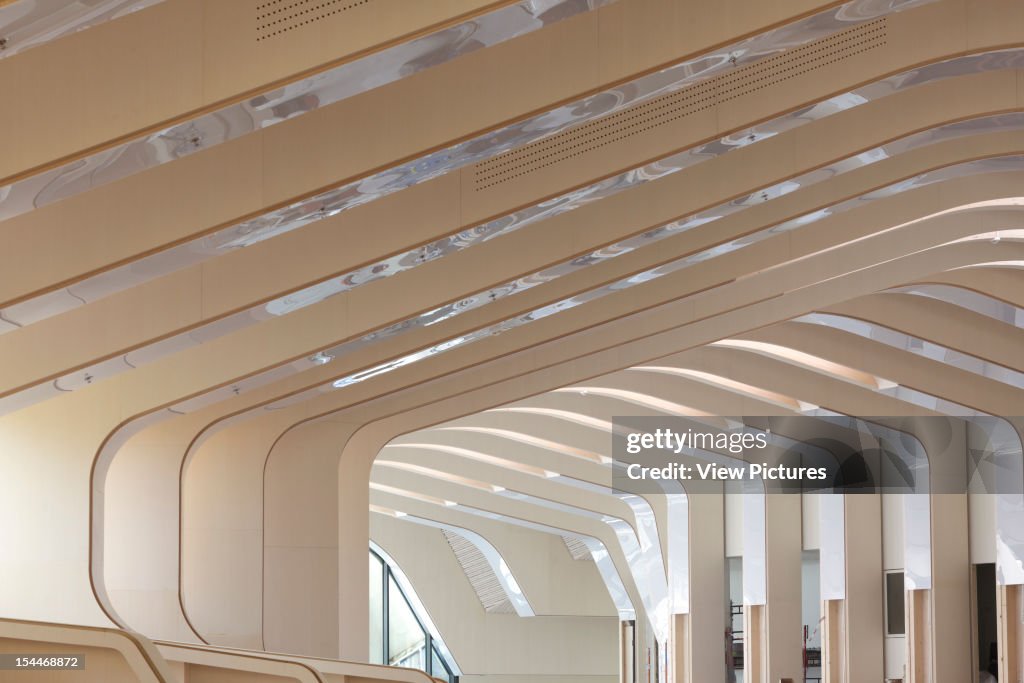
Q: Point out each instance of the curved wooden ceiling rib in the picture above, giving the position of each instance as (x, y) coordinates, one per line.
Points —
(772, 375)
(727, 296)
(574, 401)
(932, 377)
(137, 341)
(488, 394)
(954, 222)
(130, 336)
(918, 226)
(212, 58)
(872, 402)
(331, 309)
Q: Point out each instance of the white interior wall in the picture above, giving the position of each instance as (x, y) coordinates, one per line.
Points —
(733, 525)
(811, 511)
(810, 596)
(892, 531)
(981, 516)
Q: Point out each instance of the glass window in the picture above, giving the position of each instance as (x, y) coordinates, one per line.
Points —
(438, 667)
(376, 610)
(407, 643)
(397, 635)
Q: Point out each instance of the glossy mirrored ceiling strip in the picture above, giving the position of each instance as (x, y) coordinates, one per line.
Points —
(152, 353)
(988, 165)
(244, 319)
(284, 103)
(48, 305)
(227, 392)
(537, 314)
(359, 192)
(30, 23)
(627, 180)
(508, 224)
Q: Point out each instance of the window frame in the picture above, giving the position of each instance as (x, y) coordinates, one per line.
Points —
(387, 578)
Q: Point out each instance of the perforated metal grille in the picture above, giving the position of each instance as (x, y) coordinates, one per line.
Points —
(485, 583)
(276, 17)
(577, 548)
(659, 111)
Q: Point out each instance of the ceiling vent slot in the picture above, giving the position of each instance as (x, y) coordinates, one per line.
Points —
(659, 111)
(276, 17)
(483, 579)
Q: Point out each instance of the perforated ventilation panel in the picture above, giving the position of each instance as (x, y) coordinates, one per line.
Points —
(481, 576)
(659, 111)
(277, 17)
(577, 548)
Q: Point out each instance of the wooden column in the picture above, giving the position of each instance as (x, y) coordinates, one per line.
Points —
(681, 653)
(755, 645)
(783, 617)
(1010, 613)
(833, 643)
(919, 636)
(708, 590)
(862, 612)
